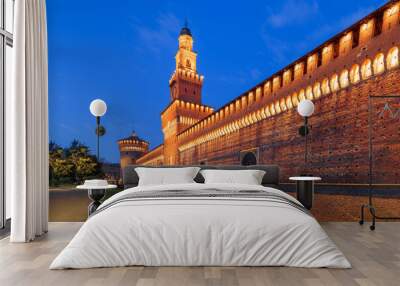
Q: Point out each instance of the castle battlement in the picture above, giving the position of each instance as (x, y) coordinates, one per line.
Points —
(188, 75)
(131, 148)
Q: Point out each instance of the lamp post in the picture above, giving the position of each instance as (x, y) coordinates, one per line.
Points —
(305, 109)
(98, 108)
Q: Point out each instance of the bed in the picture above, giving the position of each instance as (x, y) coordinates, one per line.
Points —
(201, 224)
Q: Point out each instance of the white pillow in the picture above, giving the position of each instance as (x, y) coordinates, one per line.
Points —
(165, 176)
(248, 177)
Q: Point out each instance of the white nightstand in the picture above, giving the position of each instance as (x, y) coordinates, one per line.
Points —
(96, 191)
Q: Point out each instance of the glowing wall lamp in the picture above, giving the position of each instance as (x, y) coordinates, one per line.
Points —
(305, 109)
(98, 108)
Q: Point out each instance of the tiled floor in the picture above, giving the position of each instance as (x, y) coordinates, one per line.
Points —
(375, 257)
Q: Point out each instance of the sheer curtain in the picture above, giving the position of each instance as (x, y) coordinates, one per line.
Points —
(27, 124)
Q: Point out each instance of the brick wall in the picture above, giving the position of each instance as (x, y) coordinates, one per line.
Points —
(338, 143)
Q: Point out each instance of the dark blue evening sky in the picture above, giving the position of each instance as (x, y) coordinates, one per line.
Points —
(123, 52)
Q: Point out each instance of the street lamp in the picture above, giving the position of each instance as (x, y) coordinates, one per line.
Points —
(305, 109)
(98, 108)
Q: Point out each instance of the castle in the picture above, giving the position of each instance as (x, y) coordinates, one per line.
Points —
(260, 126)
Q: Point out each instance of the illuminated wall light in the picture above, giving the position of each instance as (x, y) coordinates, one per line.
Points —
(237, 105)
(267, 88)
(283, 105)
(262, 113)
(392, 10)
(309, 93)
(258, 93)
(317, 90)
(287, 77)
(250, 98)
(301, 95)
(248, 120)
(244, 102)
(277, 107)
(355, 74)
(295, 99)
(259, 115)
(231, 109)
(392, 60)
(366, 69)
(325, 86)
(344, 79)
(276, 83)
(379, 64)
(254, 116)
(327, 49)
(327, 54)
(390, 17)
(298, 70)
(267, 111)
(289, 102)
(311, 63)
(245, 123)
(334, 83)
(345, 43)
(272, 109)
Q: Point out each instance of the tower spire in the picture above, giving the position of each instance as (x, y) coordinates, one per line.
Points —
(185, 29)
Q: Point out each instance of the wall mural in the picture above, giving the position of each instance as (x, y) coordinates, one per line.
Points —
(261, 126)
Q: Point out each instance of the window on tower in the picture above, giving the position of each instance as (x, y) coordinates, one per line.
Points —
(188, 64)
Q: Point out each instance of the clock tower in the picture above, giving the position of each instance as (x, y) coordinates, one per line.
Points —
(186, 83)
(185, 108)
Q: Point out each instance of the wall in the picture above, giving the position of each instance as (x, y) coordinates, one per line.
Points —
(338, 144)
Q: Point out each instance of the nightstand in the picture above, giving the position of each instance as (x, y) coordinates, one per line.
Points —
(305, 189)
(96, 191)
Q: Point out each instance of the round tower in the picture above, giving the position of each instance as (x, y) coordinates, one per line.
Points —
(131, 148)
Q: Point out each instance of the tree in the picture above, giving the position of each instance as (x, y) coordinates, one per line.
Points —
(85, 164)
(85, 167)
(59, 167)
(72, 164)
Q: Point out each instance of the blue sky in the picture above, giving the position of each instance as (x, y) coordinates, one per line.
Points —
(123, 52)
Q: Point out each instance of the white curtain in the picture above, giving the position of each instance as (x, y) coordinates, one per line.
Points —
(27, 124)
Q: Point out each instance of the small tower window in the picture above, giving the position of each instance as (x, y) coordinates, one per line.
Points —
(188, 64)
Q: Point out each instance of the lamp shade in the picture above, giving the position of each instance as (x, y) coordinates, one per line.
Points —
(98, 107)
(305, 108)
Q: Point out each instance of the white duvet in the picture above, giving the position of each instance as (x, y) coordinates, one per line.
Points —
(200, 231)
